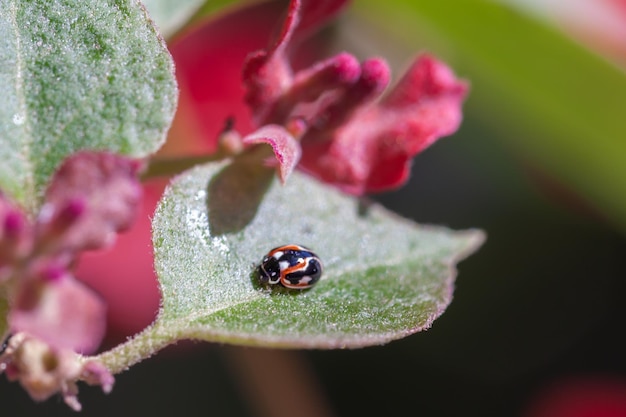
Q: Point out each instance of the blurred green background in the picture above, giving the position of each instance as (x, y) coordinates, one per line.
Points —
(539, 163)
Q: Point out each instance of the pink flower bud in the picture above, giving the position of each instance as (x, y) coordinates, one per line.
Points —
(15, 236)
(53, 272)
(339, 71)
(95, 373)
(14, 225)
(44, 370)
(92, 196)
(68, 214)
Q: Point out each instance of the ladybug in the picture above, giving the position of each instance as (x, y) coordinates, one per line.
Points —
(292, 266)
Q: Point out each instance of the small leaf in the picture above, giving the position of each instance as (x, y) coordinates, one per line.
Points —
(77, 74)
(286, 148)
(384, 277)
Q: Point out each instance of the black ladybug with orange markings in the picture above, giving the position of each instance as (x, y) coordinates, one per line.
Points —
(292, 266)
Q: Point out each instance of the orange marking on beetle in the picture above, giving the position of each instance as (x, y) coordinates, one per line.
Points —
(296, 267)
(283, 248)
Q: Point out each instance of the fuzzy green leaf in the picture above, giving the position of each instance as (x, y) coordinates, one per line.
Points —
(384, 277)
(77, 74)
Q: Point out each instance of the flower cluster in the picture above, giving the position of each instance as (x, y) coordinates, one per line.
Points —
(44, 370)
(52, 316)
(330, 118)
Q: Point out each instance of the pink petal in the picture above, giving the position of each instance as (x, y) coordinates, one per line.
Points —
(92, 196)
(426, 79)
(209, 59)
(291, 21)
(286, 148)
(339, 71)
(123, 274)
(44, 370)
(64, 313)
(15, 233)
(373, 151)
(267, 73)
(312, 85)
(373, 79)
(95, 373)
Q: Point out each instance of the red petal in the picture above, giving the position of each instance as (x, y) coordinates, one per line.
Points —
(292, 19)
(267, 73)
(208, 62)
(209, 59)
(286, 148)
(372, 152)
(426, 79)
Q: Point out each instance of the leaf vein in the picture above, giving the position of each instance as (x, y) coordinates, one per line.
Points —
(28, 140)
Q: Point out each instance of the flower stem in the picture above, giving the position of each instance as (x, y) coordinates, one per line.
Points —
(140, 347)
(170, 166)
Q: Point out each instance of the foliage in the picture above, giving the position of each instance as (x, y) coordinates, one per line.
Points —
(77, 75)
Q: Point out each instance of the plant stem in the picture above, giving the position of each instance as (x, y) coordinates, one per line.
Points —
(170, 166)
(140, 347)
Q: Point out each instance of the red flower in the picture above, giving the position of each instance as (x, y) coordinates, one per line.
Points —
(348, 138)
(372, 150)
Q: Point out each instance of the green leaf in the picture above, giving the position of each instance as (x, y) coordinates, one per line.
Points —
(171, 15)
(558, 104)
(384, 277)
(77, 74)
